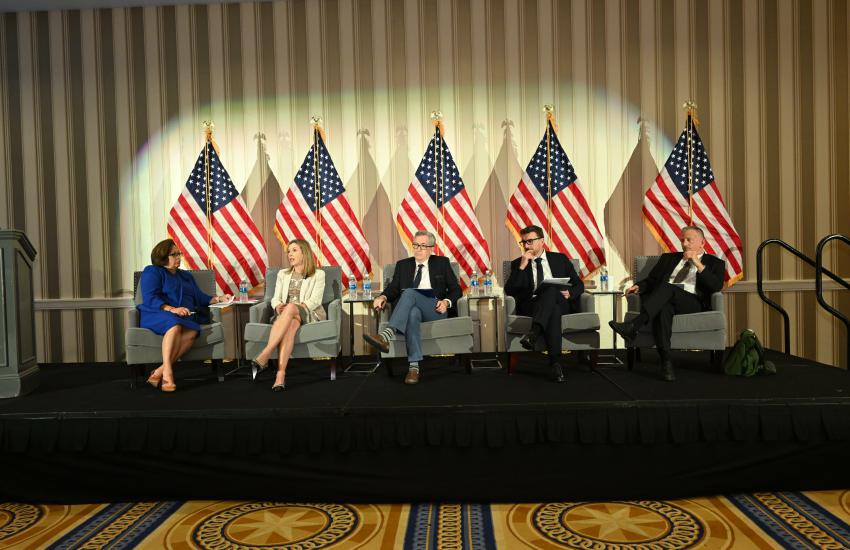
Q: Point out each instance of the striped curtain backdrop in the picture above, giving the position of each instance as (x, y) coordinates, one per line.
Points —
(100, 114)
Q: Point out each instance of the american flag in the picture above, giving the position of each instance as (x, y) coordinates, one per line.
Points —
(666, 205)
(459, 234)
(237, 247)
(342, 240)
(574, 231)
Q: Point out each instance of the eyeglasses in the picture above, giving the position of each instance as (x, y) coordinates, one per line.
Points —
(529, 241)
(417, 246)
(176, 254)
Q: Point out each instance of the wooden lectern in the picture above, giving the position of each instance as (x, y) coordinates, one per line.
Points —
(18, 366)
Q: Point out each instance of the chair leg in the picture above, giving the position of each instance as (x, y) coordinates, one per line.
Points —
(594, 359)
(219, 369)
(630, 358)
(467, 362)
(333, 368)
(389, 363)
(513, 359)
(134, 375)
(637, 354)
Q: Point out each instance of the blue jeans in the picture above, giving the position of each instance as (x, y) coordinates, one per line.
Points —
(408, 314)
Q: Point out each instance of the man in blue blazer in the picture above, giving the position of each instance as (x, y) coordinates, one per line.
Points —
(543, 303)
(681, 282)
(423, 288)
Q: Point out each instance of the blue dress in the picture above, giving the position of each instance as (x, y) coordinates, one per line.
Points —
(158, 287)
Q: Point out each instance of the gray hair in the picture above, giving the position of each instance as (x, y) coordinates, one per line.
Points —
(432, 240)
(692, 228)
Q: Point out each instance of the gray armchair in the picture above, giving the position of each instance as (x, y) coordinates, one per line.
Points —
(580, 331)
(144, 347)
(694, 331)
(320, 340)
(452, 336)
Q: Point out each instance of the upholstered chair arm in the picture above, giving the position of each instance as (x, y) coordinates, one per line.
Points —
(718, 302)
(587, 303)
(463, 307)
(510, 305)
(215, 314)
(261, 312)
(133, 318)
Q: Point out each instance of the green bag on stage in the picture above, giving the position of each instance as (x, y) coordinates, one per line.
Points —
(747, 357)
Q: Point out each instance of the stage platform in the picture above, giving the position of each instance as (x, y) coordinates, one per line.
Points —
(85, 436)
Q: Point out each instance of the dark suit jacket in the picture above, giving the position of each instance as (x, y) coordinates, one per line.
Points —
(709, 281)
(520, 283)
(443, 280)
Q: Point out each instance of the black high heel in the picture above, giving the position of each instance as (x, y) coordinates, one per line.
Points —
(256, 368)
(282, 385)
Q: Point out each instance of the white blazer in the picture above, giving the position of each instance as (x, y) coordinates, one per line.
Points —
(312, 289)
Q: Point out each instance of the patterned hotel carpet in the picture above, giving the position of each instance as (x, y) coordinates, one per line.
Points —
(763, 520)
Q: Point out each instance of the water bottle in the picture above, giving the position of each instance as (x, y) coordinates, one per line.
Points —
(488, 283)
(243, 290)
(603, 280)
(473, 284)
(352, 287)
(367, 286)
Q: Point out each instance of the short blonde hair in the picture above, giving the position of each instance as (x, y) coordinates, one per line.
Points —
(307, 252)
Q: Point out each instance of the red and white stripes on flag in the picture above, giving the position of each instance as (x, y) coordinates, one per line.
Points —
(437, 201)
(301, 210)
(238, 250)
(666, 205)
(574, 231)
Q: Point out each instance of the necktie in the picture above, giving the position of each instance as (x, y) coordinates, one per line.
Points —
(418, 278)
(539, 269)
(684, 272)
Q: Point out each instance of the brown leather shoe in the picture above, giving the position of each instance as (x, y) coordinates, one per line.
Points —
(377, 341)
(412, 376)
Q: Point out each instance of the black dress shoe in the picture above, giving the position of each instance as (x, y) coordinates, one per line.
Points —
(559, 373)
(528, 341)
(667, 371)
(256, 368)
(627, 331)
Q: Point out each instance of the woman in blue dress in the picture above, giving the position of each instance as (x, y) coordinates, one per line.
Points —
(172, 306)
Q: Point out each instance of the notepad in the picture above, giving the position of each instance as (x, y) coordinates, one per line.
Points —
(560, 282)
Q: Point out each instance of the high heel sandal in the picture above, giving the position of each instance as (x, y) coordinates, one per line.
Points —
(155, 380)
(280, 387)
(256, 368)
(167, 386)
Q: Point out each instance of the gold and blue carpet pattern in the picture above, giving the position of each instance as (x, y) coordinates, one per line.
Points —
(762, 520)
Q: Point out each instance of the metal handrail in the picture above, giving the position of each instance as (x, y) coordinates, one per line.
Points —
(774, 305)
(819, 271)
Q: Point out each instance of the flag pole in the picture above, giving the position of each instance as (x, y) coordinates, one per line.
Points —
(208, 128)
(316, 122)
(691, 109)
(439, 177)
(549, 109)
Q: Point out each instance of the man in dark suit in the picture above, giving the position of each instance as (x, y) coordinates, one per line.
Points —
(423, 288)
(681, 282)
(543, 303)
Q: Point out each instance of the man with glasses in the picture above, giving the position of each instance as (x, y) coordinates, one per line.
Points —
(543, 303)
(680, 283)
(423, 288)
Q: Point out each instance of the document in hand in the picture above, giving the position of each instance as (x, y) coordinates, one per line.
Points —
(560, 282)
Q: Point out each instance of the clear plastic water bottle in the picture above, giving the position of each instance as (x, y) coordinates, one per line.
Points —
(367, 286)
(603, 280)
(473, 284)
(352, 287)
(243, 290)
(488, 283)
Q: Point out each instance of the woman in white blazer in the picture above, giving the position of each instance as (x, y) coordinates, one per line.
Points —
(297, 301)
